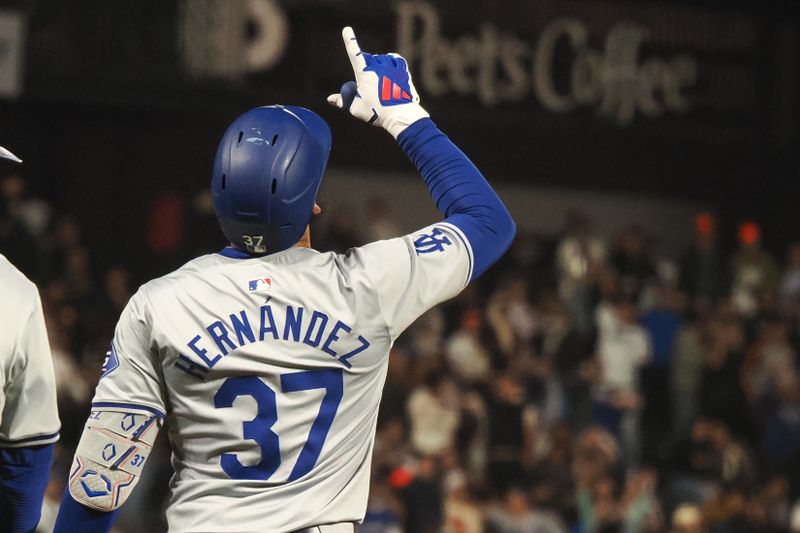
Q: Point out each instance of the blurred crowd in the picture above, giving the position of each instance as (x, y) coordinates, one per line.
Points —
(583, 384)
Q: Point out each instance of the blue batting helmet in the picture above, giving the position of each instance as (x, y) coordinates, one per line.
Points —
(267, 173)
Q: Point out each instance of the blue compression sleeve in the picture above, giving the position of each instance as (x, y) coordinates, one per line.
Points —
(461, 193)
(24, 473)
(72, 516)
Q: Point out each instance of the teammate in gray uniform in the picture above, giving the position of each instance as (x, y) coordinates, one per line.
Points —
(29, 422)
(267, 360)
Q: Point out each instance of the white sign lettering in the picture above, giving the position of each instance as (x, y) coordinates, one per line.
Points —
(498, 67)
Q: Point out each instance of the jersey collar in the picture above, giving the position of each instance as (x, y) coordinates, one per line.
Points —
(235, 253)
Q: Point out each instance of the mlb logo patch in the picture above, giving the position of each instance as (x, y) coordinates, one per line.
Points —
(260, 284)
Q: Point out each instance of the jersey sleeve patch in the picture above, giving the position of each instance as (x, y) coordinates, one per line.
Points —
(111, 362)
(413, 273)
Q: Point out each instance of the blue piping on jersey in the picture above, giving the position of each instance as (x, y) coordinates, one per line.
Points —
(468, 248)
(149, 409)
(235, 253)
(460, 191)
(35, 438)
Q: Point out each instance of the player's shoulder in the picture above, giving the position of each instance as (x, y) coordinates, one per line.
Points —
(398, 252)
(15, 286)
(165, 284)
(210, 268)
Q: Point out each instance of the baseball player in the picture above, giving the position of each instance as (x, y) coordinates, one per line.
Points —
(29, 422)
(267, 359)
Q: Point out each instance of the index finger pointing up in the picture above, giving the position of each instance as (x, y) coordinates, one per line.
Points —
(353, 50)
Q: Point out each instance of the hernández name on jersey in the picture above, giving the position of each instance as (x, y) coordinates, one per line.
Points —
(311, 327)
(272, 401)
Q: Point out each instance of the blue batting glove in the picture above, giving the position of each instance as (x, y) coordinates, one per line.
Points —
(383, 93)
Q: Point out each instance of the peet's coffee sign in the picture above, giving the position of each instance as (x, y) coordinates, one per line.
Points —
(497, 67)
(703, 71)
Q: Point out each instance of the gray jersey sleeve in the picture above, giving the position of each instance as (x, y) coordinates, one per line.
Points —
(411, 274)
(28, 399)
(131, 374)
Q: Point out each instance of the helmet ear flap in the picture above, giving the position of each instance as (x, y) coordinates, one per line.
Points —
(267, 172)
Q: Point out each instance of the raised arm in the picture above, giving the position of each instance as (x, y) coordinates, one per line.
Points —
(384, 95)
(460, 191)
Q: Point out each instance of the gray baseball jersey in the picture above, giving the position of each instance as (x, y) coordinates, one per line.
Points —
(269, 372)
(28, 412)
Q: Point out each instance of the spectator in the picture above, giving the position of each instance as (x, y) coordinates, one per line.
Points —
(517, 516)
(67, 236)
(511, 424)
(466, 354)
(463, 513)
(426, 335)
(423, 498)
(596, 456)
(780, 437)
(687, 518)
(640, 508)
(790, 282)
(580, 258)
(733, 510)
(17, 240)
(598, 506)
(768, 358)
(106, 306)
(552, 484)
(721, 393)
(632, 263)
(701, 266)
(623, 348)
(662, 324)
(711, 458)
(686, 373)
(755, 273)
(391, 448)
(572, 356)
(774, 497)
(434, 412)
(487, 442)
(32, 213)
(512, 319)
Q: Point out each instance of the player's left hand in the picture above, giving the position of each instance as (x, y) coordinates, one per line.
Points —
(383, 93)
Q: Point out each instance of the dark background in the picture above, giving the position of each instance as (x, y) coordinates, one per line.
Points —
(108, 116)
(118, 134)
